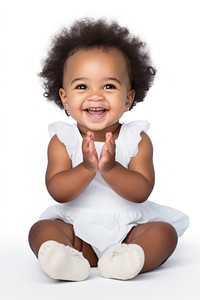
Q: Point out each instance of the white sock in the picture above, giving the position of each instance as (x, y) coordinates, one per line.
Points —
(63, 262)
(124, 261)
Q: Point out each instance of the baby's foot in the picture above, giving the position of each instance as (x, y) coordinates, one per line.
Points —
(63, 262)
(124, 261)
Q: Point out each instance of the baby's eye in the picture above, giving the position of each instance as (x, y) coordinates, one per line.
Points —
(81, 87)
(109, 86)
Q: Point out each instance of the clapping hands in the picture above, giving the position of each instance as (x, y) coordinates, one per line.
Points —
(106, 160)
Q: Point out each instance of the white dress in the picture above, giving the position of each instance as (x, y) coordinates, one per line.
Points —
(100, 216)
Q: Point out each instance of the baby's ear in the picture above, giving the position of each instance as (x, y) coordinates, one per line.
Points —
(63, 97)
(130, 99)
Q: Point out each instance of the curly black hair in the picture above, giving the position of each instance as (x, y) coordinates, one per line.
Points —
(89, 33)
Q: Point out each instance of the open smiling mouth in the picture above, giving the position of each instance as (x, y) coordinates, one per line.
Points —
(96, 112)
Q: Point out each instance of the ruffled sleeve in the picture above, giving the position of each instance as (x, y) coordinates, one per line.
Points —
(67, 134)
(131, 136)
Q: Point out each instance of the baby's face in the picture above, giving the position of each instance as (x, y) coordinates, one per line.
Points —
(96, 88)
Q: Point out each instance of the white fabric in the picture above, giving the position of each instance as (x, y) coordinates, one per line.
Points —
(63, 262)
(122, 261)
(100, 216)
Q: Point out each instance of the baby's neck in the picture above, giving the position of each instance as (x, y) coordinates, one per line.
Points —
(99, 135)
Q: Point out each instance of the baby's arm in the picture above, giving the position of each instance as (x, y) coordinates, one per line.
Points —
(63, 182)
(135, 183)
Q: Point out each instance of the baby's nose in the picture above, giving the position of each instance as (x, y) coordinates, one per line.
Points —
(96, 96)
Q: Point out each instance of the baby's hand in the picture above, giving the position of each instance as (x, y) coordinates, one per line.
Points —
(90, 157)
(107, 157)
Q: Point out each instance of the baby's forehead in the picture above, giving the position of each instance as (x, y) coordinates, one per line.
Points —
(93, 51)
(97, 63)
(108, 55)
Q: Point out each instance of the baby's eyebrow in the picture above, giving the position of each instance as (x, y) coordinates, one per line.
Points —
(78, 79)
(106, 79)
(113, 79)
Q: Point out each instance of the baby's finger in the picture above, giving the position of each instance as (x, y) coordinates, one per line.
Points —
(87, 140)
(110, 142)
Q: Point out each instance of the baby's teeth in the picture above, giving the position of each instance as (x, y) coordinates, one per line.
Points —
(95, 109)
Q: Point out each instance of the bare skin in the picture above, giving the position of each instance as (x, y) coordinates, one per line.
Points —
(96, 92)
(158, 240)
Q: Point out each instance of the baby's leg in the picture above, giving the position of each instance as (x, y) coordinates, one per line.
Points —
(157, 239)
(145, 248)
(61, 254)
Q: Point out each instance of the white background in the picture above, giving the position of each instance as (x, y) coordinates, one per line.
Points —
(170, 29)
